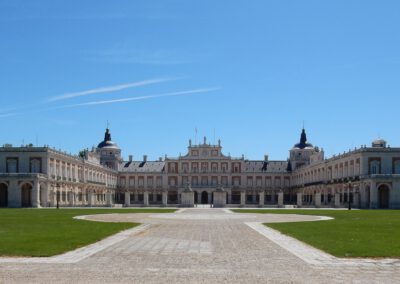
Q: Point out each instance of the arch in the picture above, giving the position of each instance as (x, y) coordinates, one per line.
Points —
(26, 195)
(383, 195)
(204, 197)
(196, 197)
(3, 195)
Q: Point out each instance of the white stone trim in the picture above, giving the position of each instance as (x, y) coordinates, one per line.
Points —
(312, 255)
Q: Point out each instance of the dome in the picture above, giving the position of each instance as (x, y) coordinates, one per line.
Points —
(379, 143)
(303, 142)
(107, 143)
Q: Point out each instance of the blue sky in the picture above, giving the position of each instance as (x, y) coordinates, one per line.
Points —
(156, 70)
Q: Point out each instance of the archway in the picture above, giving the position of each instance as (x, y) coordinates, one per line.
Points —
(235, 197)
(26, 195)
(3, 195)
(196, 197)
(173, 197)
(383, 192)
(204, 197)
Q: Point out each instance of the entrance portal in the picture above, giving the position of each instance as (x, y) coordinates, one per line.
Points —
(26, 191)
(3, 195)
(204, 197)
(383, 192)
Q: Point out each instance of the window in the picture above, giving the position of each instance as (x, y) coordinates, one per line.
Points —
(172, 182)
(224, 181)
(159, 181)
(396, 169)
(184, 181)
(35, 165)
(12, 165)
(150, 181)
(375, 167)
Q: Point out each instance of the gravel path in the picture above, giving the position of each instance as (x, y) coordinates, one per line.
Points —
(199, 246)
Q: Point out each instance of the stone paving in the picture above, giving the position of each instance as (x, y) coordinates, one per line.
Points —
(198, 246)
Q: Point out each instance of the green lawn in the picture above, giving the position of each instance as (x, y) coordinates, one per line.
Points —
(355, 233)
(47, 232)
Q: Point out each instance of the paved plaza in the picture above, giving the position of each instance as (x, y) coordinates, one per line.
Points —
(198, 246)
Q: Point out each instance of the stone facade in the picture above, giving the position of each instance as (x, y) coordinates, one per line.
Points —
(368, 177)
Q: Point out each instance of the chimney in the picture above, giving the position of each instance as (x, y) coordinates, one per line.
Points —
(265, 158)
(130, 158)
(144, 158)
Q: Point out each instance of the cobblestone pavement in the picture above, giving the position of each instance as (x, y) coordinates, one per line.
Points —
(197, 246)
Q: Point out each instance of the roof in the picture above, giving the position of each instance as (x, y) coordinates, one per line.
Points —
(266, 166)
(142, 167)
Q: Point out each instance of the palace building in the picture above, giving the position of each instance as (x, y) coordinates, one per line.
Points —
(367, 177)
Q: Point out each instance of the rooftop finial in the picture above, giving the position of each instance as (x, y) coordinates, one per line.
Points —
(303, 137)
(107, 135)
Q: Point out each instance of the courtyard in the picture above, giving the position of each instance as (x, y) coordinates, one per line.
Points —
(199, 246)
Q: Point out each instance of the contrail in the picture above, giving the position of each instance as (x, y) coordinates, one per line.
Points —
(195, 91)
(110, 89)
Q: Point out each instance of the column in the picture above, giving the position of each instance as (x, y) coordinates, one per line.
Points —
(165, 198)
(356, 199)
(337, 199)
(44, 196)
(53, 198)
(90, 198)
(280, 198)
(14, 194)
(363, 197)
(36, 194)
(242, 198)
(261, 197)
(146, 198)
(299, 199)
(374, 196)
(317, 200)
(108, 199)
(209, 195)
(230, 197)
(70, 196)
(127, 198)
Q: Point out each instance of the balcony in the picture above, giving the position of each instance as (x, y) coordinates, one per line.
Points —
(381, 176)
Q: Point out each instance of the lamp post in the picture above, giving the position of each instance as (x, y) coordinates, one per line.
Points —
(58, 196)
(348, 195)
